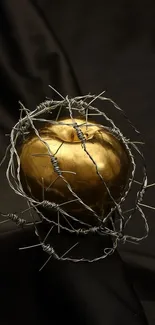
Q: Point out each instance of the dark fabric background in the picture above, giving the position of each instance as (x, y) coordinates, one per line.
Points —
(78, 47)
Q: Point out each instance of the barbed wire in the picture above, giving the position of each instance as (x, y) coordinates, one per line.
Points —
(81, 105)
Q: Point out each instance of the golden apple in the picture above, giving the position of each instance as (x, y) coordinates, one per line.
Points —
(41, 181)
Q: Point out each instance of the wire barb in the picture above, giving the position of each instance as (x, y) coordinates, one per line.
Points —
(15, 218)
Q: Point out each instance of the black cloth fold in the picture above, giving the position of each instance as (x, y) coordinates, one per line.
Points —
(79, 293)
(77, 47)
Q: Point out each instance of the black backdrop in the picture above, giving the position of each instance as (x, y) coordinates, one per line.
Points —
(78, 47)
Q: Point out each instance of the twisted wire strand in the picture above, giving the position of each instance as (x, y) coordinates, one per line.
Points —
(15, 218)
(52, 253)
(83, 139)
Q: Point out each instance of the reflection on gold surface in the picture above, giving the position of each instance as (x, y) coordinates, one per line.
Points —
(39, 178)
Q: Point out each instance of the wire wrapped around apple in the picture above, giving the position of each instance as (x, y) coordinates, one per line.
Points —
(41, 181)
